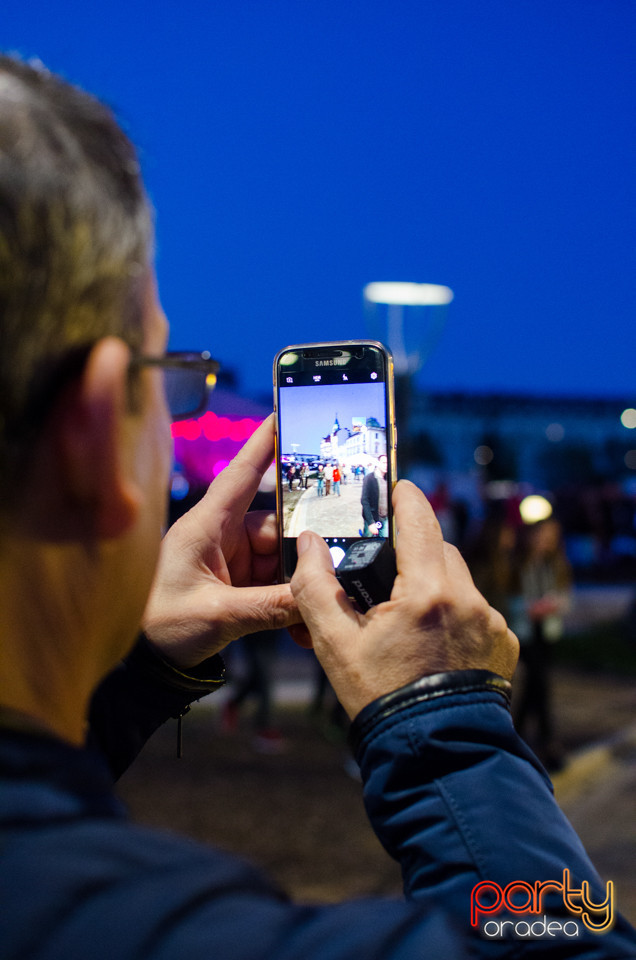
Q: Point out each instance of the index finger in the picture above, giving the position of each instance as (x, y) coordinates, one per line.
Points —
(419, 544)
(236, 486)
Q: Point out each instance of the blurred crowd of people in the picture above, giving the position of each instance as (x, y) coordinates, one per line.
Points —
(599, 521)
(326, 476)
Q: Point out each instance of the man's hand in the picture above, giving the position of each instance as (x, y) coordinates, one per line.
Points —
(436, 619)
(218, 563)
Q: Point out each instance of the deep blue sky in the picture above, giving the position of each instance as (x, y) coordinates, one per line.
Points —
(308, 414)
(296, 151)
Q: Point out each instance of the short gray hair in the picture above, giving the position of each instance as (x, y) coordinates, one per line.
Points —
(75, 244)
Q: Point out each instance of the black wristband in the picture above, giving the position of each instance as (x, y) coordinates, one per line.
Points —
(204, 678)
(426, 688)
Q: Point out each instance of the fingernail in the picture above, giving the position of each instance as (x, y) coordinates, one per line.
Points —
(303, 543)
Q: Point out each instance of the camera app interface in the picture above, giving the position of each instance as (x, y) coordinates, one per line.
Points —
(333, 441)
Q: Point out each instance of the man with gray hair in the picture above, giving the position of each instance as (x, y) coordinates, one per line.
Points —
(86, 396)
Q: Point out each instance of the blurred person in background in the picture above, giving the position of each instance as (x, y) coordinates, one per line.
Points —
(371, 502)
(256, 684)
(336, 479)
(542, 598)
(491, 558)
(320, 480)
(328, 478)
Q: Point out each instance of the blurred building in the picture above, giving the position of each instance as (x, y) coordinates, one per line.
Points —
(487, 451)
(543, 441)
(365, 439)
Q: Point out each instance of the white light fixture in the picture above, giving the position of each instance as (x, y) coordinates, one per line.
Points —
(409, 336)
(408, 294)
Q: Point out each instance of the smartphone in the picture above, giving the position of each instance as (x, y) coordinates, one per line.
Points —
(335, 444)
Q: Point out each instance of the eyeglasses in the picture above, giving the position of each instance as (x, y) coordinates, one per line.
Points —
(188, 378)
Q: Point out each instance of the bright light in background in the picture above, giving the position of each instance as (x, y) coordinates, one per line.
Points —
(408, 294)
(628, 418)
(179, 487)
(204, 446)
(535, 508)
(219, 466)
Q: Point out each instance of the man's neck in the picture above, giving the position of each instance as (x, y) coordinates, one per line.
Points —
(53, 640)
(37, 701)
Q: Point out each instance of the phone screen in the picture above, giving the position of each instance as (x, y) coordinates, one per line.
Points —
(335, 444)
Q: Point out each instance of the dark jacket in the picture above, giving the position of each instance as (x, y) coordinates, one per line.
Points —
(370, 498)
(450, 790)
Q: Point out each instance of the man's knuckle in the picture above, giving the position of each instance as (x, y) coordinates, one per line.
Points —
(434, 606)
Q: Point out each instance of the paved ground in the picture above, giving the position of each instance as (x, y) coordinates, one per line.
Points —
(597, 787)
(328, 516)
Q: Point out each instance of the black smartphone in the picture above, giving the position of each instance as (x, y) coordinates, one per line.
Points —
(335, 444)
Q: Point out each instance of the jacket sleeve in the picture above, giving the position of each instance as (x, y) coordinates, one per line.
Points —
(459, 799)
(138, 696)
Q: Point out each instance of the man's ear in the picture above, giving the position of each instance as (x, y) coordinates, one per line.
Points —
(94, 441)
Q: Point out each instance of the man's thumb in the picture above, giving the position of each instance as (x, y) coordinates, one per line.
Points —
(320, 598)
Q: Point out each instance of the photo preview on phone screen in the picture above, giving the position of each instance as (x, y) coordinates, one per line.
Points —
(335, 435)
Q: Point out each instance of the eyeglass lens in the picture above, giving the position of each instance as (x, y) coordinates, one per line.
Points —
(186, 391)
